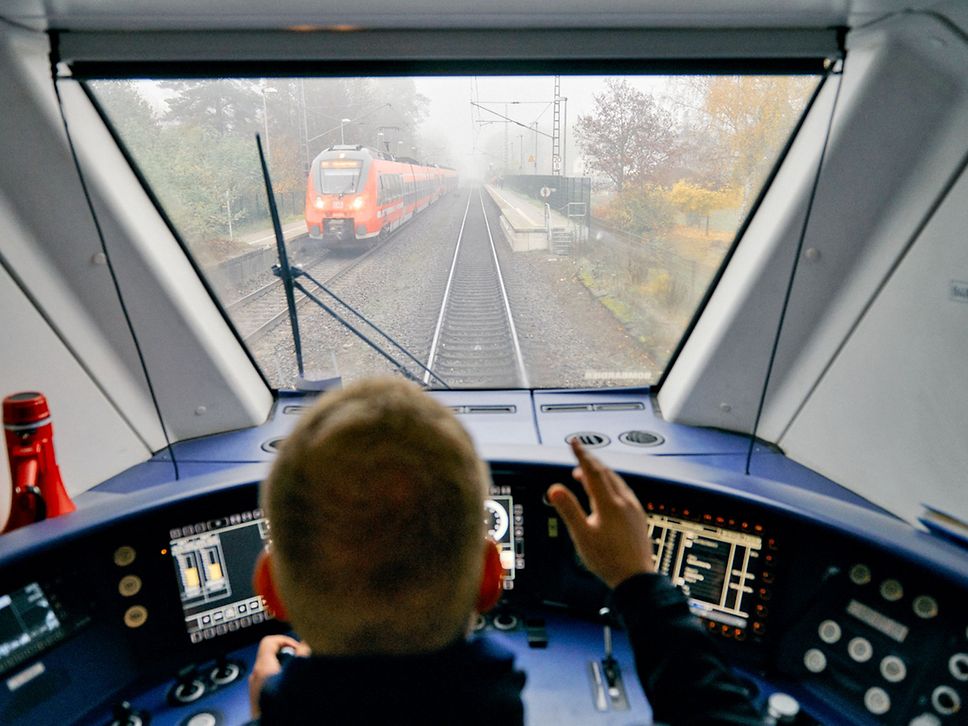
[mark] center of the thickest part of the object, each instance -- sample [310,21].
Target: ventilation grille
[495,408]
[641,438]
[272,445]
[589,439]
[573,407]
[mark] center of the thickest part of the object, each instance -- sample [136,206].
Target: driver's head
[375,507]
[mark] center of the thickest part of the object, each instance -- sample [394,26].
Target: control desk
[141,609]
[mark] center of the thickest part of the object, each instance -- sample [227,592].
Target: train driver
[380,563]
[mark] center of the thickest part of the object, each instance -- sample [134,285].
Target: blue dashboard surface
[840,560]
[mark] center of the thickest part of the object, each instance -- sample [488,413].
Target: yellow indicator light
[191,577]
[214,572]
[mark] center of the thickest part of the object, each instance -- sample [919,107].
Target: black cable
[793,272]
[107,257]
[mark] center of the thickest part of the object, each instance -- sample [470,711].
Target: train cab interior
[771,352]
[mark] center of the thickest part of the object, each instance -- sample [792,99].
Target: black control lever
[606,674]
[285,654]
[188,687]
[124,714]
[610,666]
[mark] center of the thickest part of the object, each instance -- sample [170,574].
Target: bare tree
[628,137]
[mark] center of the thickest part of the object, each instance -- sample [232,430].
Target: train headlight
[358,203]
[320,203]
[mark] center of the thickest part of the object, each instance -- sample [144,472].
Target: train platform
[530,225]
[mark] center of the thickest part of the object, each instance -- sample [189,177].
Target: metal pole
[228,208]
[305,123]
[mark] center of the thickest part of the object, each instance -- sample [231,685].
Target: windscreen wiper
[298,272]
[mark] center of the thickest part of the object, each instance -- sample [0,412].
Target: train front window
[338,179]
[467,232]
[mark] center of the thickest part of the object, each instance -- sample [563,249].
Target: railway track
[475,343]
[262,310]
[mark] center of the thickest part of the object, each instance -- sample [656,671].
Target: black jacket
[678,664]
[470,682]
[474,682]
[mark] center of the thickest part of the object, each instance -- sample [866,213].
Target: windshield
[482,232]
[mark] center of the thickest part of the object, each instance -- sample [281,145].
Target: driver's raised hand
[613,540]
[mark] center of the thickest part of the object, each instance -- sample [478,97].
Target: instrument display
[214,561]
[29,624]
[716,568]
[505,525]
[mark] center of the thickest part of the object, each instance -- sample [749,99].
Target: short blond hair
[375,505]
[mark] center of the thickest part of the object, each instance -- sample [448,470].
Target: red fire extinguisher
[38,491]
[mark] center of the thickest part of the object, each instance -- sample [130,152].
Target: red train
[356,195]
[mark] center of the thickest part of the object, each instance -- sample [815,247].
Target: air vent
[272,445]
[495,408]
[575,407]
[589,439]
[641,438]
[625,406]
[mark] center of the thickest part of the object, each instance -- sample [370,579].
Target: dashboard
[143,607]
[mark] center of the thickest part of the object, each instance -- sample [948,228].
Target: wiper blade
[297,272]
[284,269]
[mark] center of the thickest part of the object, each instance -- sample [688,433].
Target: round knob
[224,674]
[860,574]
[505,621]
[829,631]
[925,607]
[188,691]
[860,650]
[892,590]
[893,669]
[958,665]
[877,701]
[202,718]
[782,707]
[946,700]
[814,660]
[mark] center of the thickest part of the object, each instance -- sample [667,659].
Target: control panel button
[946,700]
[892,590]
[860,649]
[860,574]
[925,607]
[124,556]
[958,665]
[129,586]
[782,707]
[203,718]
[877,701]
[815,661]
[505,621]
[893,669]
[135,616]
[188,691]
[925,719]
[829,631]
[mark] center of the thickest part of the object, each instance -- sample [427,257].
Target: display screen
[28,624]
[505,525]
[214,561]
[714,567]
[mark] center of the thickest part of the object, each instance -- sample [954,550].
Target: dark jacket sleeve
[679,667]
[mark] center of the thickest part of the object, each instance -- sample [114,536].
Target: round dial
[496,519]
